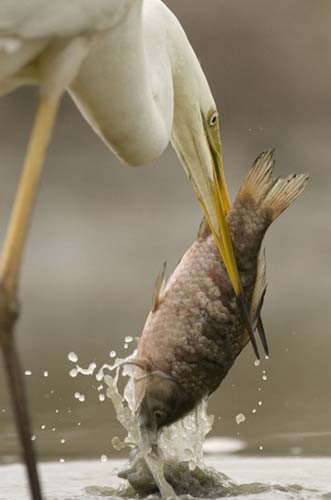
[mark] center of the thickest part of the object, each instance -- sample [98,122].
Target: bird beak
[200,152]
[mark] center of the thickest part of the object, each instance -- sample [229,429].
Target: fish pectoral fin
[259,292]
[139,362]
[159,287]
[260,286]
[262,335]
[204,230]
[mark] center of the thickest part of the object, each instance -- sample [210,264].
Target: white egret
[132,72]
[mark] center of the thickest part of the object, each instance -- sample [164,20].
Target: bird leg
[10,265]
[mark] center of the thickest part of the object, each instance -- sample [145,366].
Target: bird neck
[124,89]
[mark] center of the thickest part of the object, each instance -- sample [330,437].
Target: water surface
[253,478]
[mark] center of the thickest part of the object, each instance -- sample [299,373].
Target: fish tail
[271,195]
[284,192]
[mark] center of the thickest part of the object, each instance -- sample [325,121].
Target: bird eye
[158,414]
[213,119]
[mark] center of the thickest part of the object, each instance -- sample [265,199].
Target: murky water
[251,478]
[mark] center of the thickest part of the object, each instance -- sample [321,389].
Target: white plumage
[136,65]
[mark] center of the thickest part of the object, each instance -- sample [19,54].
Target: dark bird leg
[21,414]
[10,266]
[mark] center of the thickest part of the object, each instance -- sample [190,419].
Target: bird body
[138,67]
[195,332]
[29,19]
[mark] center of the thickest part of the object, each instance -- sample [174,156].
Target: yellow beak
[208,179]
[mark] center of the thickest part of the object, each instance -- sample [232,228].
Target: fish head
[163,402]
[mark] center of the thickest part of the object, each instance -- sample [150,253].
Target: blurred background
[101,232]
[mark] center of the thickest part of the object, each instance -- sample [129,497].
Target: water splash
[175,465]
[177,462]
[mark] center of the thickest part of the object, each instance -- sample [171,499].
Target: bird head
[195,131]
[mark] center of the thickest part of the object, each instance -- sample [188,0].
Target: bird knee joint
[9,312]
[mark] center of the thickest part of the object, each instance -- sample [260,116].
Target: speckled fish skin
[196,333]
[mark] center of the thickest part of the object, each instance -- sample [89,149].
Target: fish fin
[259,292]
[260,287]
[259,180]
[159,287]
[272,195]
[140,362]
[204,230]
[260,329]
[284,192]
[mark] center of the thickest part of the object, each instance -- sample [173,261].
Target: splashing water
[180,443]
[175,466]
[177,462]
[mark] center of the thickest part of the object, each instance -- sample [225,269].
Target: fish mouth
[149,437]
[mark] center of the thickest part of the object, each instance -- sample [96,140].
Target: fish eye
[213,119]
[158,414]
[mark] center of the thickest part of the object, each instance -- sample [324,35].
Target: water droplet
[91,368]
[259,403]
[128,339]
[3,410]
[266,357]
[264,377]
[61,460]
[117,443]
[240,418]
[254,410]
[45,373]
[57,411]
[72,356]
[53,429]
[33,437]
[73,373]
[28,373]
[112,354]
[77,395]
[78,424]
[102,397]
[260,447]
[257,362]
[103,458]
[100,387]
[126,346]
[63,441]
[43,427]
[81,398]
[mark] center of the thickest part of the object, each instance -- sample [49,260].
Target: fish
[194,331]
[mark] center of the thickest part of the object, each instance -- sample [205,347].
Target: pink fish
[194,332]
